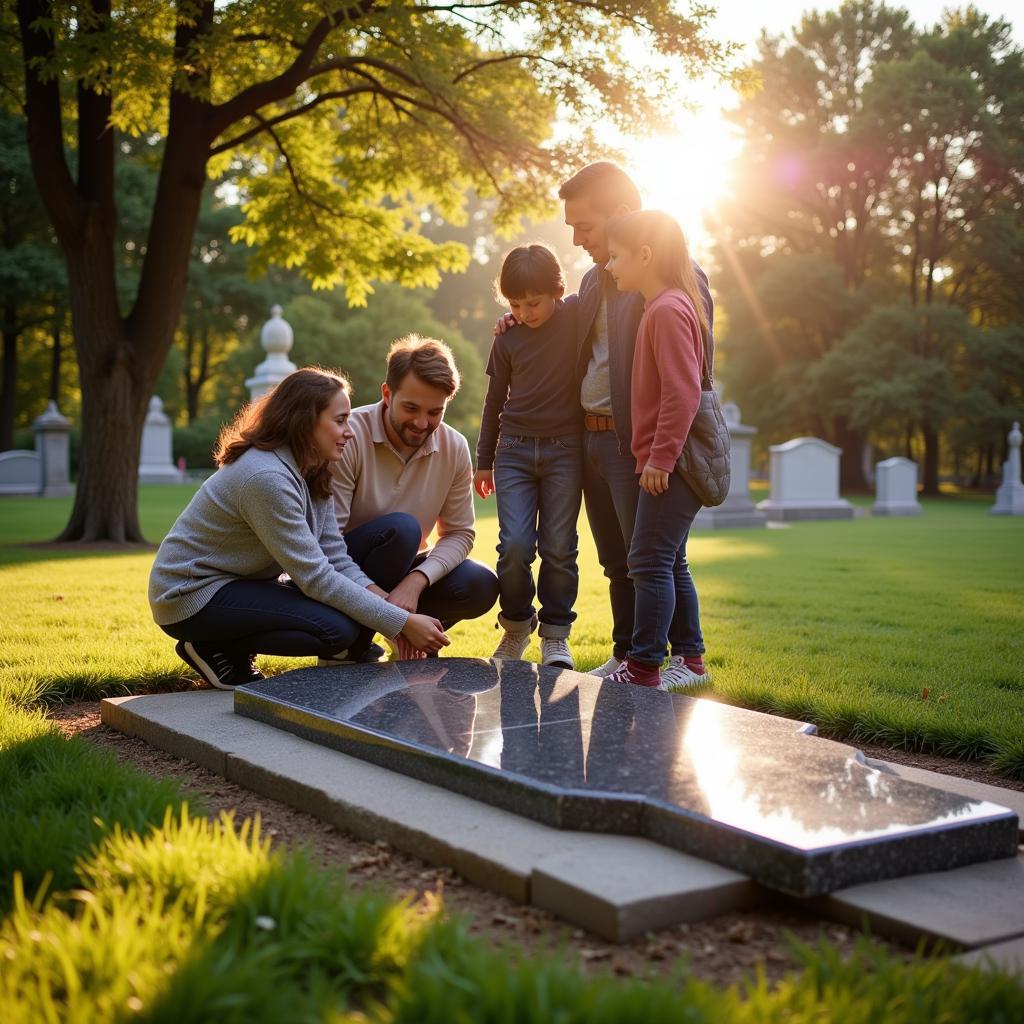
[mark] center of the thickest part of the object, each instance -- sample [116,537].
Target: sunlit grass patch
[904,632]
[197,921]
[58,798]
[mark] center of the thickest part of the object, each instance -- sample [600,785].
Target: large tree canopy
[339,125]
[882,176]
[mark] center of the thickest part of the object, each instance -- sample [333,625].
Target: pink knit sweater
[666,379]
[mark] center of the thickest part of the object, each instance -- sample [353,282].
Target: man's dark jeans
[273,617]
[387,550]
[537,485]
[611,491]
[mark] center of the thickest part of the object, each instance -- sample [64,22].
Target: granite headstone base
[749,791]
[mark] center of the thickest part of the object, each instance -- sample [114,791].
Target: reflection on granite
[751,791]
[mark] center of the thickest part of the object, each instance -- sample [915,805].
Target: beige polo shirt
[436,486]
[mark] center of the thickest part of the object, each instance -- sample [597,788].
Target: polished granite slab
[753,792]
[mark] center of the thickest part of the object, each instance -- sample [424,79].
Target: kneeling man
[404,474]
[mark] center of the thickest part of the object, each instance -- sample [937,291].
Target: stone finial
[277,335]
[156,412]
[51,419]
[276,338]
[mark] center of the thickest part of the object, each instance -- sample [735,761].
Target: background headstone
[276,339]
[52,432]
[21,472]
[737,510]
[896,488]
[805,482]
[1010,496]
[156,464]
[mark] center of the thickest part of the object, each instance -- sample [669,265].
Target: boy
[528,456]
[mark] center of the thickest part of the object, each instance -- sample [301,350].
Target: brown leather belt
[592,422]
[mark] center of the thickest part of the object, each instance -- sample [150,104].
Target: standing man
[606,340]
[404,474]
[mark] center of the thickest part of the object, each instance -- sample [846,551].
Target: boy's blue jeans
[666,598]
[538,485]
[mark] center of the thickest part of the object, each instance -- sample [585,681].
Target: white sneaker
[678,676]
[607,668]
[554,650]
[512,647]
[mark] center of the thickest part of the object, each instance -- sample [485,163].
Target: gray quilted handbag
[704,462]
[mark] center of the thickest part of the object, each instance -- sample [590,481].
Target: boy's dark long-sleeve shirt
[533,388]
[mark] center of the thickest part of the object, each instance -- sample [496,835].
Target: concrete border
[617,887]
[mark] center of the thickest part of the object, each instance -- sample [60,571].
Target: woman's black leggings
[268,617]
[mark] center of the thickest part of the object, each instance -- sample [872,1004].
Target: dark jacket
[624,312]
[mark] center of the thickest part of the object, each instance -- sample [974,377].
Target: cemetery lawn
[899,632]
[117,900]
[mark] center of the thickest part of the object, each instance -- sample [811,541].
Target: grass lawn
[904,632]
[117,902]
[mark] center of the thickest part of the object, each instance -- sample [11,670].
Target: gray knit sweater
[254,519]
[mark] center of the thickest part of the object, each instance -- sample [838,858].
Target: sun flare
[685,172]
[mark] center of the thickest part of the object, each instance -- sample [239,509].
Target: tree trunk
[55,364]
[930,476]
[851,462]
[8,390]
[106,498]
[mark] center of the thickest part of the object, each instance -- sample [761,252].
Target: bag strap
[707,382]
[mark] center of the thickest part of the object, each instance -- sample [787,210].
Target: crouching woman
[268,511]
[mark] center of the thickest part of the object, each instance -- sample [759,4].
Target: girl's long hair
[671,254]
[286,415]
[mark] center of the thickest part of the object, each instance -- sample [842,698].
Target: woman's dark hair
[286,415]
[665,238]
[530,268]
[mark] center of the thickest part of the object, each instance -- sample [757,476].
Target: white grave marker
[805,482]
[156,464]
[896,488]
[1010,496]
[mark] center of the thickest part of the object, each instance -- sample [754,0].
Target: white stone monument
[737,510]
[1010,496]
[276,339]
[20,472]
[52,432]
[805,482]
[156,462]
[896,488]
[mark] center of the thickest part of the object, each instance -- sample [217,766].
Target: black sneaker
[217,668]
[367,656]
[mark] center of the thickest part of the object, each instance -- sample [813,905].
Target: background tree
[32,279]
[338,126]
[889,152]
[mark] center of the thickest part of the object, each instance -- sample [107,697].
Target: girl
[268,510]
[647,252]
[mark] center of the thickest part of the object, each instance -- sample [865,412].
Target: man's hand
[379,591]
[504,323]
[405,650]
[653,481]
[483,482]
[407,594]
